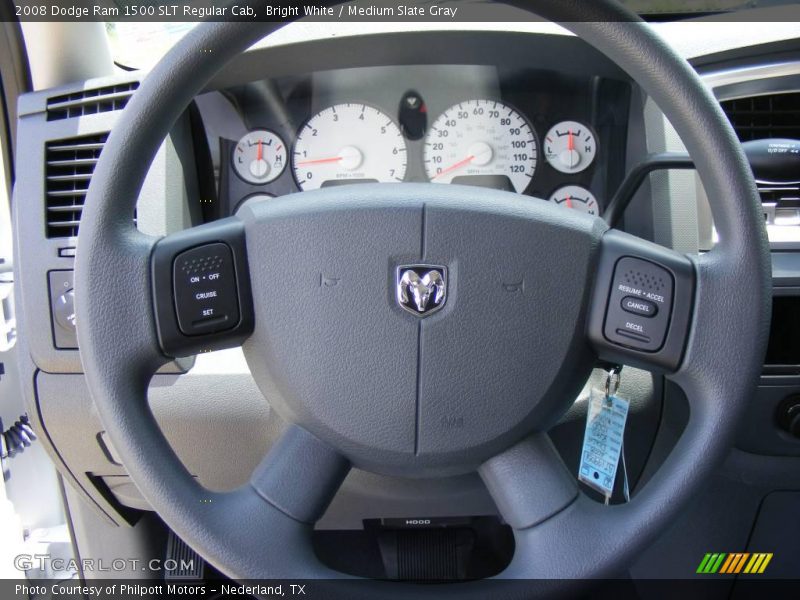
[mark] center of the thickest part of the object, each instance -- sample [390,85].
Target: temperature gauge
[577,198]
[570,147]
[259,157]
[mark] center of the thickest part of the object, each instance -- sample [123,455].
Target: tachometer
[481,142]
[349,143]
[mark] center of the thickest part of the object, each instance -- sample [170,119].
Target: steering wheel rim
[570,536]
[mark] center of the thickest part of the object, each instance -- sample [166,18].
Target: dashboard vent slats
[89,102]
[770,116]
[767,116]
[69,165]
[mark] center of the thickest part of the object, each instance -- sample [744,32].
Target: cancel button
[637,306]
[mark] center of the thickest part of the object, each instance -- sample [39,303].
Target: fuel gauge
[576,198]
[259,157]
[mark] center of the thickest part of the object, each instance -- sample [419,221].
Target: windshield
[138,45]
[141,45]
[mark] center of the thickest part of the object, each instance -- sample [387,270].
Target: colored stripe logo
[734,563]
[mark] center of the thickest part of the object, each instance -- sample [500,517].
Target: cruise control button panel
[640,304]
[201,289]
[205,292]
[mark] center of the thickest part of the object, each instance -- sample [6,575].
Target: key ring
[612,381]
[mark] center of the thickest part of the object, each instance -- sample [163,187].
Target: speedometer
[349,143]
[481,142]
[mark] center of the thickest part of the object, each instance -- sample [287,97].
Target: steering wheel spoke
[563,529]
[300,475]
[642,303]
[271,518]
[201,289]
[529,482]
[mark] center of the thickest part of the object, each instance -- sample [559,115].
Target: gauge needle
[260,150]
[319,161]
[569,201]
[458,165]
[570,141]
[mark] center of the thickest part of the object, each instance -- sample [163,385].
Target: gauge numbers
[570,147]
[259,157]
[577,198]
[349,143]
[481,142]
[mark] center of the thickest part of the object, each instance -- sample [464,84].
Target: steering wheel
[527,299]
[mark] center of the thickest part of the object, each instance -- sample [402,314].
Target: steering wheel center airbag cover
[335,351]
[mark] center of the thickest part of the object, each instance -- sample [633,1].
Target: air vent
[769,116]
[69,165]
[90,102]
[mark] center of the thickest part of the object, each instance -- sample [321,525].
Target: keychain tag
[602,441]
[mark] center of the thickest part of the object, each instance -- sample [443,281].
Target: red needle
[569,201]
[259,151]
[458,165]
[320,161]
[570,141]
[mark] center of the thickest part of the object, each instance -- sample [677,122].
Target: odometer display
[479,141]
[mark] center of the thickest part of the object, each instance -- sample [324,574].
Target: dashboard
[542,133]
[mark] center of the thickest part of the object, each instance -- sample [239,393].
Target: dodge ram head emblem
[421,289]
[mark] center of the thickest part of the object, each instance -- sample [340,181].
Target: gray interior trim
[737,82]
[163,208]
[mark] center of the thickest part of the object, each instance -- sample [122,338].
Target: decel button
[638,306]
[204,283]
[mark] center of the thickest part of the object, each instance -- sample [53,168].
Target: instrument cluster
[537,143]
[475,142]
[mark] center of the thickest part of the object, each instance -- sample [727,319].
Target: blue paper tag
[602,441]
